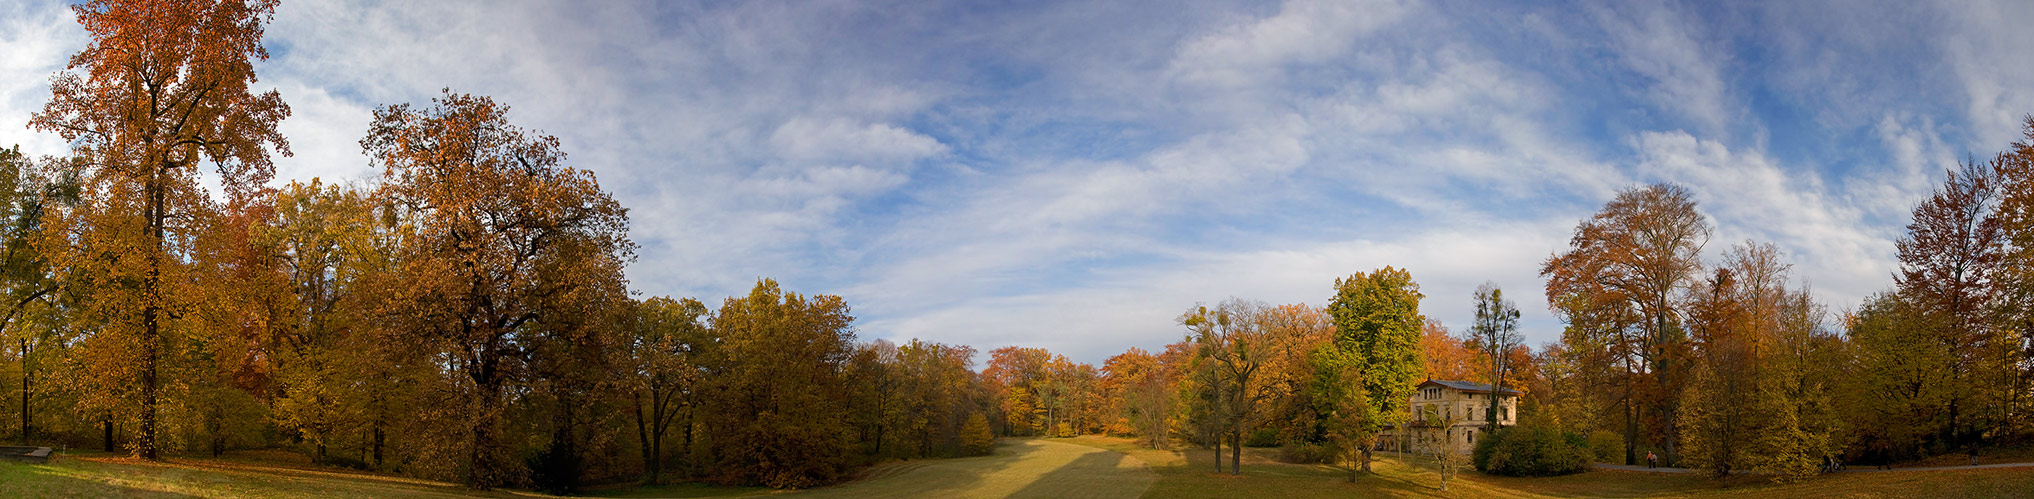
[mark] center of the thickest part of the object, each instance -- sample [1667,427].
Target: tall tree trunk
[1630,425]
[483,471]
[107,425]
[1236,451]
[151,314]
[643,441]
[380,415]
[145,445]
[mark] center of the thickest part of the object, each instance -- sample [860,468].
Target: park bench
[25,454]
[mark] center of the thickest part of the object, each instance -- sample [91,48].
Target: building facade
[1451,415]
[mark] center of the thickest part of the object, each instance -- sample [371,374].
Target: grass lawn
[1077,467]
[96,474]
[1191,474]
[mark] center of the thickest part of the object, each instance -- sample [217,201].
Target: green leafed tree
[1377,333]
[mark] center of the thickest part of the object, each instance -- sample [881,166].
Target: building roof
[1469,387]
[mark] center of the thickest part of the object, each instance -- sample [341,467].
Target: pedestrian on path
[1652,460]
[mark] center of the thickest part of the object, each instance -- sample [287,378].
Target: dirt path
[1020,468]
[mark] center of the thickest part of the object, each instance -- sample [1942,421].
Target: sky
[1075,175]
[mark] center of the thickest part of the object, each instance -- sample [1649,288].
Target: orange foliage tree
[160,87]
[1619,288]
[503,249]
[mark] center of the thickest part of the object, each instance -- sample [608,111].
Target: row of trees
[1725,366]
[463,315]
[1734,366]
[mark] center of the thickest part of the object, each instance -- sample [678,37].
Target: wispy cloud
[1074,174]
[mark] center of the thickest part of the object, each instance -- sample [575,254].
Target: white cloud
[1918,159]
[1685,72]
[806,140]
[324,133]
[1126,307]
[1754,198]
[1072,175]
[1985,45]
[39,39]
[1304,31]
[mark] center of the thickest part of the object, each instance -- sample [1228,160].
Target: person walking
[1652,460]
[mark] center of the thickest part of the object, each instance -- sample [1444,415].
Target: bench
[25,454]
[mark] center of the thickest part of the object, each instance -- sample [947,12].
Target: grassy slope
[91,474]
[1191,474]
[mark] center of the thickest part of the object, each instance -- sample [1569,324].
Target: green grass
[1078,467]
[93,474]
[1019,468]
[1191,474]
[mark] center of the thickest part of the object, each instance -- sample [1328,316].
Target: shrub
[1531,451]
[1263,437]
[975,437]
[1307,453]
[1608,447]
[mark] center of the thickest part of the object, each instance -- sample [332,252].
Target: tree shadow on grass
[931,477]
[1096,474]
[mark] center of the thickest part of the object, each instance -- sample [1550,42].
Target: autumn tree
[159,88]
[1143,385]
[776,392]
[1947,260]
[505,239]
[1619,287]
[1377,339]
[937,394]
[1231,340]
[1292,333]
[1758,397]
[301,280]
[665,344]
[1020,375]
[1446,356]
[1496,333]
[2010,347]
[28,190]
[1901,392]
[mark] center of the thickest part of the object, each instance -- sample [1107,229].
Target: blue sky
[1074,175]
